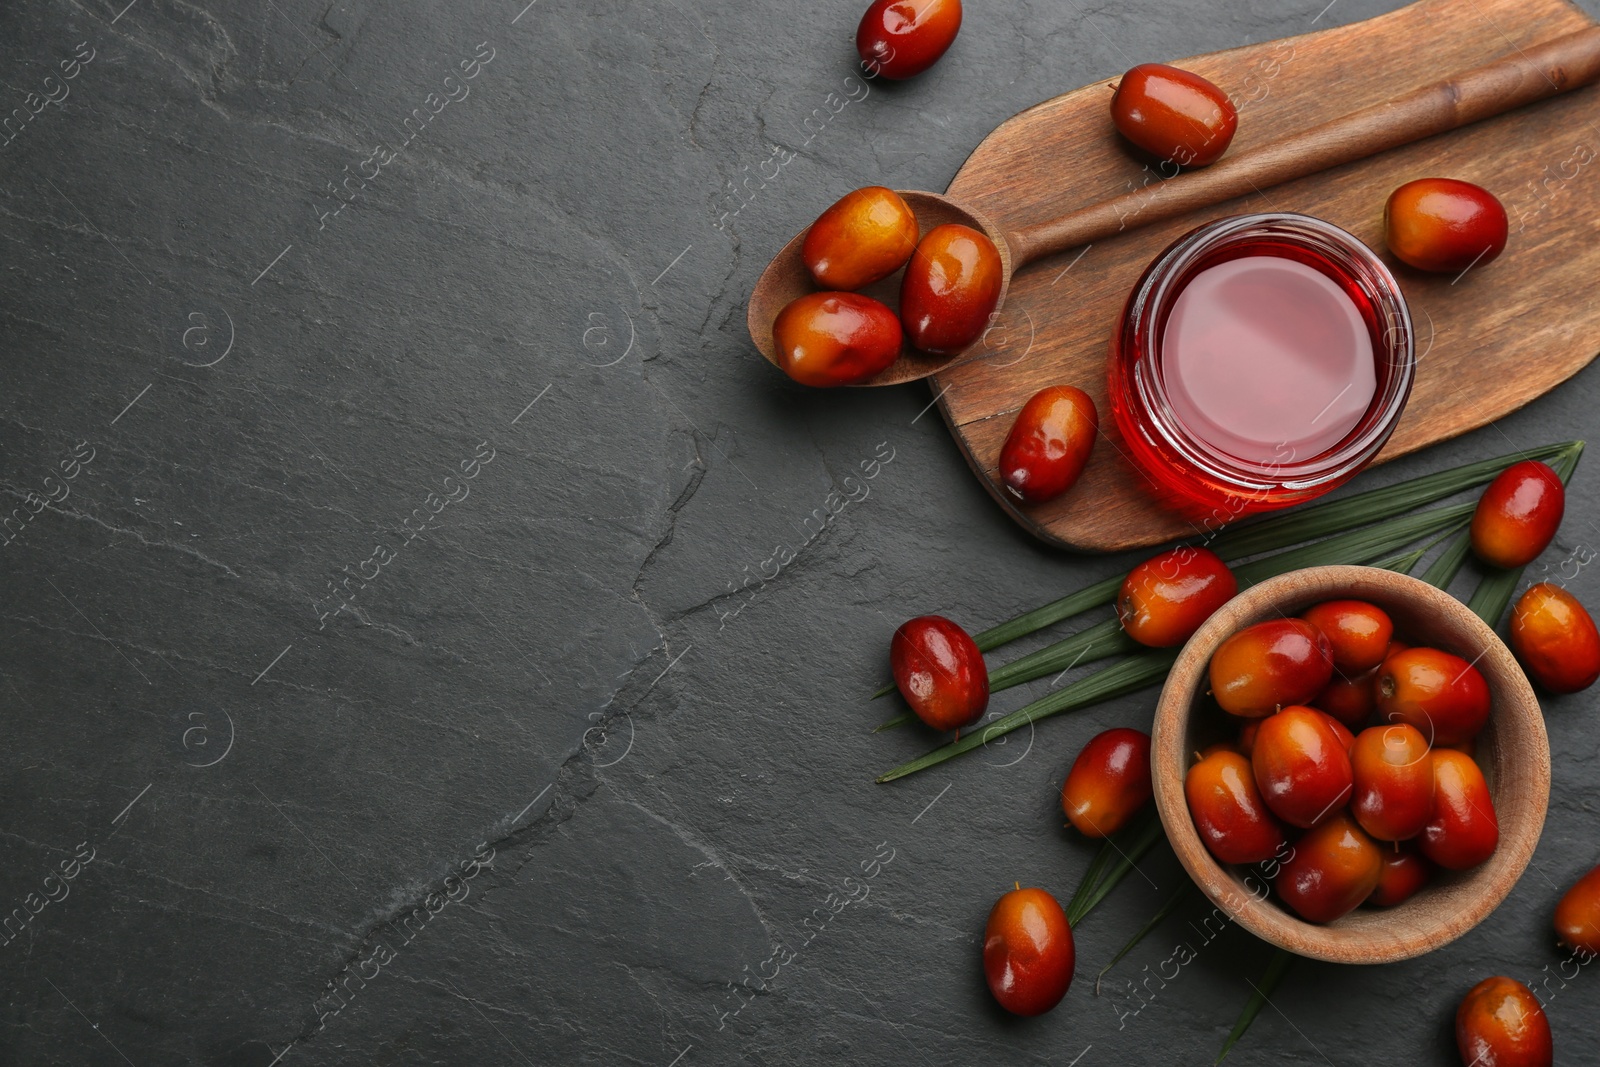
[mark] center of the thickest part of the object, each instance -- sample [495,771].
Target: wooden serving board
[1489,343]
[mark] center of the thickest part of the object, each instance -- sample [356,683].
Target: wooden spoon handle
[1526,75]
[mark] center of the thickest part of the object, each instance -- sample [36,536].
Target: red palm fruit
[1340,730]
[940,672]
[1247,736]
[899,39]
[1404,872]
[1049,444]
[1109,782]
[1500,1023]
[1028,952]
[1463,830]
[1350,700]
[1270,665]
[1228,811]
[864,237]
[1578,915]
[1556,639]
[1394,649]
[1334,869]
[830,339]
[1518,514]
[1301,766]
[1442,695]
[950,288]
[1165,599]
[1358,633]
[1174,114]
[1444,224]
[1393,782]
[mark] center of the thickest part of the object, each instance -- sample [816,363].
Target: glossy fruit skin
[1578,914]
[1270,665]
[1394,649]
[1340,730]
[1109,782]
[1441,224]
[1357,632]
[1393,796]
[1028,952]
[1500,1023]
[864,237]
[1232,819]
[1463,830]
[951,287]
[1301,766]
[1556,639]
[902,38]
[1350,700]
[1404,872]
[1173,114]
[940,672]
[1518,514]
[828,339]
[1165,599]
[1442,695]
[1333,870]
[1049,444]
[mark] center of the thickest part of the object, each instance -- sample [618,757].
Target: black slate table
[431,635]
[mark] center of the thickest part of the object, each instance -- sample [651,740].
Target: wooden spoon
[1526,76]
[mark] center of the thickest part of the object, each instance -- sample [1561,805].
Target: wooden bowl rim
[1457,901]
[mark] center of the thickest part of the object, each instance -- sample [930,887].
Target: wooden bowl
[1513,752]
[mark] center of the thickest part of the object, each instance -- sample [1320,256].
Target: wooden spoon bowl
[1512,750]
[787,278]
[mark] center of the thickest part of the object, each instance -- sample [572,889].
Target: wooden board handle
[1523,77]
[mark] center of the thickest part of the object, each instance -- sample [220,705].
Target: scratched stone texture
[431,635]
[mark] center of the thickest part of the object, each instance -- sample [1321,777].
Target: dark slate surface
[414,554]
